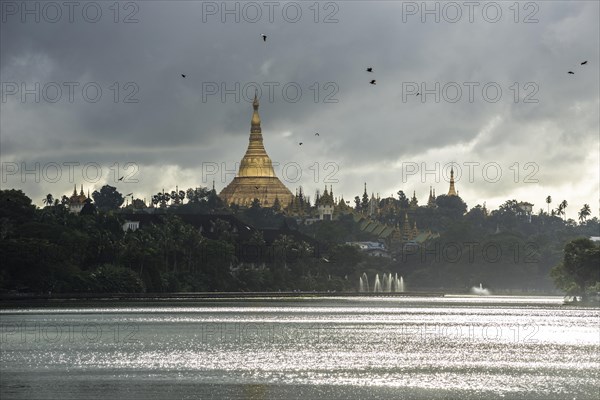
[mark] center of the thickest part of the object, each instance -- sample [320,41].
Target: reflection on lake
[281,348]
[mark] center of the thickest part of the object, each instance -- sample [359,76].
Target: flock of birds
[372,81]
[573,73]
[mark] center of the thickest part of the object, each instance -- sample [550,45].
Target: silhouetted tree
[88,208]
[584,213]
[48,200]
[580,268]
[108,198]
[403,200]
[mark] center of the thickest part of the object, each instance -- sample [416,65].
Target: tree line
[50,249]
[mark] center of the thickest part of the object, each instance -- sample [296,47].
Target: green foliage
[201,200]
[451,206]
[108,198]
[88,208]
[579,272]
[114,279]
[51,250]
[15,206]
[364,204]
[403,200]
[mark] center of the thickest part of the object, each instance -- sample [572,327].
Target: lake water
[303,348]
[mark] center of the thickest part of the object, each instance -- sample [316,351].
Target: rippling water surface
[303,348]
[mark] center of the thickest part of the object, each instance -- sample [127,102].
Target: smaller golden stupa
[452,190]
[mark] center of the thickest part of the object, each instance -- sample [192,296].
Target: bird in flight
[373,82]
[370,69]
[121,178]
[583,63]
[264,37]
[317,134]
[183,75]
[418,94]
[256,187]
[571,73]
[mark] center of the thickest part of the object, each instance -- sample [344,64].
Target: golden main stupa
[256,178]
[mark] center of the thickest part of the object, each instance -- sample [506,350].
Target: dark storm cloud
[368,133]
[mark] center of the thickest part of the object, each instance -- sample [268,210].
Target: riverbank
[6,299]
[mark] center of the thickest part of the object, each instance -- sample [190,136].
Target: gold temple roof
[256,177]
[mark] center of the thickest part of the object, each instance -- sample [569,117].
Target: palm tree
[548,201]
[564,205]
[584,213]
[560,210]
[162,198]
[49,200]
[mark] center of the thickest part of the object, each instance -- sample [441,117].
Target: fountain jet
[480,291]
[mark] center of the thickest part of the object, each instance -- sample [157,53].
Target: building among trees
[77,201]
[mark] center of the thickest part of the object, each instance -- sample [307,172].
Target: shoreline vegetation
[205,246]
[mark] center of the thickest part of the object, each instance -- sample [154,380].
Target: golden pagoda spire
[406,231]
[255,117]
[452,190]
[256,177]
[256,161]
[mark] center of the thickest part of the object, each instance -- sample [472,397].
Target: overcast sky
[538,137]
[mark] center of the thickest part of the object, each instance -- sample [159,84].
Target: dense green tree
[364,203]
[110,278]
[343,259]
[108,198]
[88,208]
[579,271]
[15,206]
[476,216]
[403,200]
[451,206]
